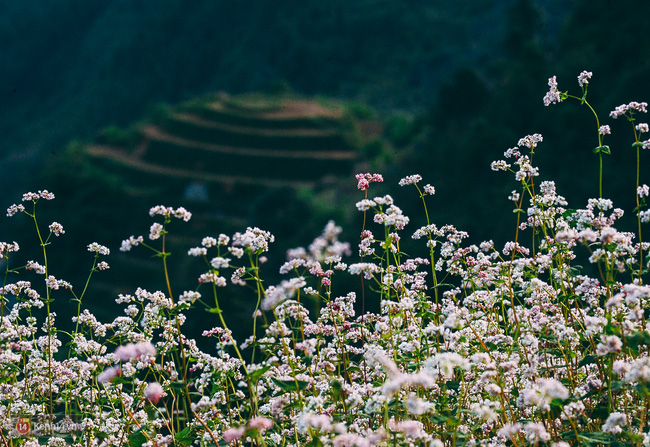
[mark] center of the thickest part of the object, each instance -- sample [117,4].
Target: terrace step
[119,158]
[155,134]
[194,127]
[292,115]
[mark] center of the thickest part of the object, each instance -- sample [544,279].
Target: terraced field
[265,141]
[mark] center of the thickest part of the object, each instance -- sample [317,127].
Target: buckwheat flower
[182,213]
[155,231]
[364,180]
[630,108]
[509,430]
[646,144]
[260,423]
[614,422]
[209,242]
[513,152]
[253,239]
[604,130]
[365,268]
[161,210]
[154,392]
[211,277]
[499,165]
[321,422]
[514,196]
[103,266]
[536,432]
[587,235]
[33,196]
[132,351]
[109,374]
[233,434]
[99,249]
[417,406]
[485,410]
[553,95]
[56,284]
[583,78]
[223,239]
[428,189]
[645,216]
[236,276]
[56,229]
[540,393]
[446,362]
[131,242]
[411,429]
[38,268]
[639,370]
[6,248]
[643,191]
[530,141]
[197,251]
[13,209]
[642,127]
[236,252]
[219,262]
[189,297]
[410,180]
[609,344]
[365,204]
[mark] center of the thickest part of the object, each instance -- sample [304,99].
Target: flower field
[541,342]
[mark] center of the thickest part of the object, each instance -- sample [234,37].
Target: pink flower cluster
[364,180]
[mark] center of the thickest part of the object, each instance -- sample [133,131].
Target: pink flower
[109,374]
[260,423]
[233,434]
[132,351]
[153,392]
[366,179]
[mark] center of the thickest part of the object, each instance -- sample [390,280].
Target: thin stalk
[187,402]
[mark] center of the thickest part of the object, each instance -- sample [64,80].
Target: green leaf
[137,438]
[186,436]
[453,384]
[290,385]
[638,338]
[588,360]
[315,442]
[602,150]
[214,310]
[255,375]
[177,386]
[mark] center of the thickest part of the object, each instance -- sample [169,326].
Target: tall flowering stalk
[554,96]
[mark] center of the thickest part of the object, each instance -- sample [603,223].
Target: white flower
[583,78]
[410,180]
[614,422]
[553,95]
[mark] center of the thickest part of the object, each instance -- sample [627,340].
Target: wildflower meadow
[541,342]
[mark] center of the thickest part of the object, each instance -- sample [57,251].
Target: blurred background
[260,113]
